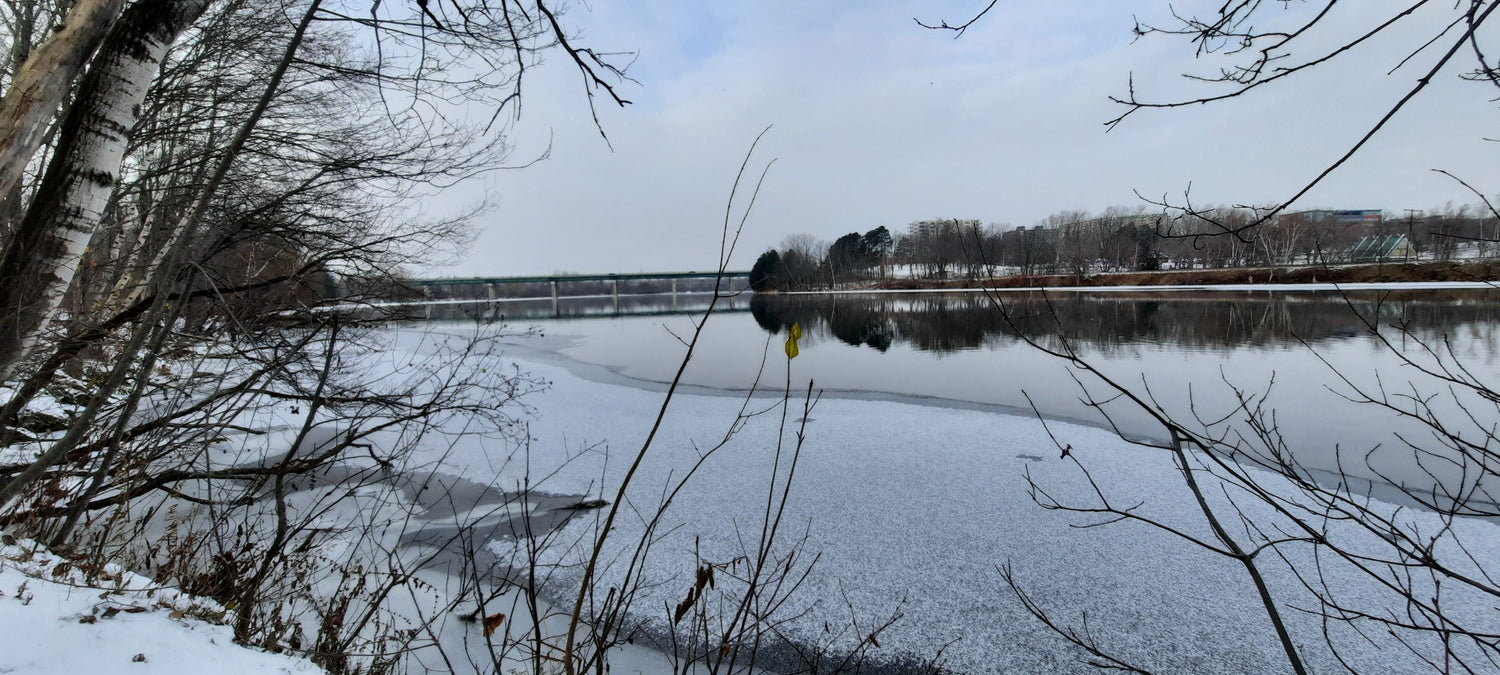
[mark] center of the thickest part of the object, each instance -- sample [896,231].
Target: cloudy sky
[876,121]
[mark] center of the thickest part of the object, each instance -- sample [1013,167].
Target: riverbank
[1384,273]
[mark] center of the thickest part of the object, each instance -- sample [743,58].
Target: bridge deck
[560,278]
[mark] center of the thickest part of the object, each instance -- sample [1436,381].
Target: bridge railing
[573,286]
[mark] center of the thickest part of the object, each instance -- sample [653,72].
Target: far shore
[1439,273]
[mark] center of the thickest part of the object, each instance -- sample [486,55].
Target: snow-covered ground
[54,619]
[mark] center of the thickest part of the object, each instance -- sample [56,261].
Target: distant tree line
[805,262]
[1123,239]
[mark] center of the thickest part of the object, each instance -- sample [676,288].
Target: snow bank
[55,619]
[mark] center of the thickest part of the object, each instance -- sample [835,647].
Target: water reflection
[1201,358]
[1199,321]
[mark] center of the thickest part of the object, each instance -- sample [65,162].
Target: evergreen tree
[763,272]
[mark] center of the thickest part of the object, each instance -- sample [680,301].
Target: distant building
[929,228]
[1111,223]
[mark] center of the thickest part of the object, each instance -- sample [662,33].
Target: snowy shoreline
[56,619]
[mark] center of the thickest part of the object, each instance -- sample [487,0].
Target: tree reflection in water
[1197,320]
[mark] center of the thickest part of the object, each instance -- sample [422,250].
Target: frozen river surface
[913,509]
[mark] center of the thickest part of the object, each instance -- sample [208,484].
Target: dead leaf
[685,605]
[492,622]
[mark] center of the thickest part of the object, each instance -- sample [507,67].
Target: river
[1196,353]
[916,482]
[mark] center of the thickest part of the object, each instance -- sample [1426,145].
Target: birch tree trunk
[42,84]
[163,276]
[42,256]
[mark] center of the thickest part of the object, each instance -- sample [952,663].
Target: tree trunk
[43,82]
[42,256]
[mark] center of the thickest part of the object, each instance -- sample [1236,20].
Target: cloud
[879,122]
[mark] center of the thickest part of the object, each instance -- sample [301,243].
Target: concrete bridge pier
[615,294]
[491,288]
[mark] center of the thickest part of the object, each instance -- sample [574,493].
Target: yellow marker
[791,341]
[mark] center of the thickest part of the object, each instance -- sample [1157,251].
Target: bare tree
[42,76]
[1078,242]
[423,65]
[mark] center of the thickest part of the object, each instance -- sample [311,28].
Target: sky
[876,121]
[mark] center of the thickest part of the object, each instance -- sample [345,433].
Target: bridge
[581,277]
[577,285]
[559,287]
